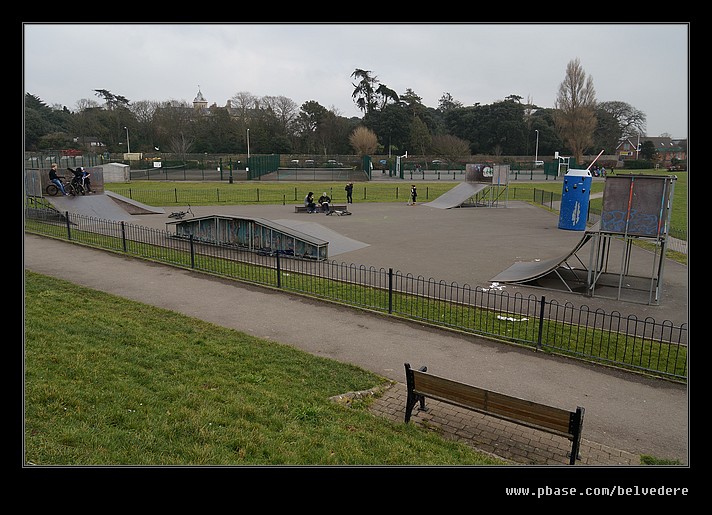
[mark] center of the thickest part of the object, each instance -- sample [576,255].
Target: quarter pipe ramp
[527,271]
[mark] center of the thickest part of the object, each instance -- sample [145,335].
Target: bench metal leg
[412,396]
[576,426]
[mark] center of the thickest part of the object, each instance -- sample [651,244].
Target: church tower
[199,102]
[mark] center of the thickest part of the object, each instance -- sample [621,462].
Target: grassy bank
[133,384]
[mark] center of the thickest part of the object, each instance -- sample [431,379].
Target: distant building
[667,149]
[199,102]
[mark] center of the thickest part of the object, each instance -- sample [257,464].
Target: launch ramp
[458,195]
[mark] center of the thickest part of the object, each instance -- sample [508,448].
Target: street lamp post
[536,151]
[128,143]
[247,166]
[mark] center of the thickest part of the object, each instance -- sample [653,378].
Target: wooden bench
[332,207]
[568,424]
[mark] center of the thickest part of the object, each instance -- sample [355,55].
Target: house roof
[662,143]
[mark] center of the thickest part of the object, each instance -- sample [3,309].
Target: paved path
[626,415]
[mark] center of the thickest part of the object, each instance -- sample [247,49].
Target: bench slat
[512,408]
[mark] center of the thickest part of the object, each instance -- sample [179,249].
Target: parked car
[333,162]
[538,164]
[309,162]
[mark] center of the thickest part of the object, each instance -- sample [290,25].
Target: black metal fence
[625,341]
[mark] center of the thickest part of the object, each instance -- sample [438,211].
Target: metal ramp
[528,271]
[458,195]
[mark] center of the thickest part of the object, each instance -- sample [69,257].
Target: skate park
[463,237]
[472,246]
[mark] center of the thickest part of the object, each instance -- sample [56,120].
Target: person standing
[55,179]
[349,192]
[85,179]
[413,194]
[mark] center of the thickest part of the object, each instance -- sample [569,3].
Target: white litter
[511,319]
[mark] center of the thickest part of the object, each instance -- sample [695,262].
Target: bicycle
[53,190]
[181,214]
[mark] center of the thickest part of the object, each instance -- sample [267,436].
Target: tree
[112,101]
[365,91]
[446,102]
[608,131]
[419,136]
[631,121]
[450,147]
[648,151]
[575,105]
[363,140]
[369,94]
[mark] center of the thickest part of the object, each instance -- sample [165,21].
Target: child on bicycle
[81,178]
[55,179]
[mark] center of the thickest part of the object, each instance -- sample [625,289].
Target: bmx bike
[70,187]
[179,215]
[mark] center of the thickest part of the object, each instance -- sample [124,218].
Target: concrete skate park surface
[464,245]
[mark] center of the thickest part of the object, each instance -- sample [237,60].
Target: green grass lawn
[132,384]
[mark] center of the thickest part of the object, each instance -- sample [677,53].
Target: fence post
[390,290]
[175,194]
[541,323]
[69,224]
[123,236]
[192,252]
[279,270]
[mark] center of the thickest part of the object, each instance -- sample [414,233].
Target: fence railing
[626,341]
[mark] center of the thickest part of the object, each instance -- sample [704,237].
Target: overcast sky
[644,65]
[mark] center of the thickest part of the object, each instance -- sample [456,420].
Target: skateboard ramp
[526,271]
[458,195]
[134,207]
[338,243]
[97,206]
[107,206]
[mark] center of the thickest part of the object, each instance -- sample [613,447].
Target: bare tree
[450,147]
[284,109]
[574,114]
[173,126]
[180,144]
[630,120]
[363,141]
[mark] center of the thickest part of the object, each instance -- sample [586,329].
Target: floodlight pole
[128,143]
